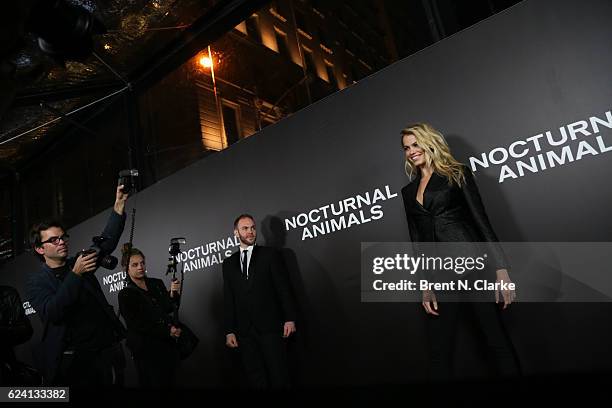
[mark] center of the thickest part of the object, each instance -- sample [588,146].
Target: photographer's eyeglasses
[56,240]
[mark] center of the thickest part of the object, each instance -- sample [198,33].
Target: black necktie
[244,264]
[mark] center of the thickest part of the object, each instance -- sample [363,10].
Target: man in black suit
[80,343]
[259,309]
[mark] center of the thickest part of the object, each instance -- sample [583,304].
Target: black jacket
[52,299]
[15,327]
[148,316]
[264,300]
[450,214]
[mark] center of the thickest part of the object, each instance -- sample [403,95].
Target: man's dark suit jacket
[264,301]
[52,298]
[450,214]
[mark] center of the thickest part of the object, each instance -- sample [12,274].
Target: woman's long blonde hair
[437,153]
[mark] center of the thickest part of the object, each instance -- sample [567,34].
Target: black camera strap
[133,222]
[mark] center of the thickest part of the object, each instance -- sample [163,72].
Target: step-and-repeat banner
[524,98]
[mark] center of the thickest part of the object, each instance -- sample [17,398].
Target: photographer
[80,342]
[15,328]
[147,306]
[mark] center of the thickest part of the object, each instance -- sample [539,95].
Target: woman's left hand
[503,282]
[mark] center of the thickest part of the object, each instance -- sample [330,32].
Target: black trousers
[157,370]
[264,357]
[84,368]
[442,329]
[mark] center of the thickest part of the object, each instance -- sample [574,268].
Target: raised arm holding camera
[80,343]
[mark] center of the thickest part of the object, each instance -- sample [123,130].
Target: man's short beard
[242,241]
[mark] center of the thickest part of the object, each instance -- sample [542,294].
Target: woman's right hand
[175,332]
[430,303]
[231,341]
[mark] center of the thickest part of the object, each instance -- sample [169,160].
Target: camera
[63,29]
[107,261]
[174,249]
[128,178]
[175,245]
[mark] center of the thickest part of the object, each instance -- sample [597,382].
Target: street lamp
[207,62]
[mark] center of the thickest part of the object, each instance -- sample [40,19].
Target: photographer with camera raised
[81,339]
[152,335]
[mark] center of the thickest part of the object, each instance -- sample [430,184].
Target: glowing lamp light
[205,62]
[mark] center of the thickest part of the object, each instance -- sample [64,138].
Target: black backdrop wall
[540,66]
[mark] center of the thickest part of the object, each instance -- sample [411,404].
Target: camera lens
[108,262]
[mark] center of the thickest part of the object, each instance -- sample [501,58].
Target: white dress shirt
[249,254]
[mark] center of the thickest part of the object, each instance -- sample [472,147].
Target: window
[280,7]
[310,62]
[324,39]
[230,123]
[318,5]
[252,26]
[282,43]
[331,76]
[343,17]
[351,45]
[300,21]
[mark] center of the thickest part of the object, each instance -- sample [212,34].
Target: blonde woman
[443,204]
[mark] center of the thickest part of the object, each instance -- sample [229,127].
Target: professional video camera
[64,30]
[174,249]
[175,246]
[107,261]
[188,341]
